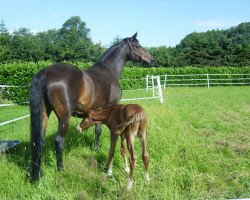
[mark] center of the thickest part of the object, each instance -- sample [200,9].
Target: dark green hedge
[132,77]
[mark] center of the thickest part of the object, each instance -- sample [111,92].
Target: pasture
[198,141]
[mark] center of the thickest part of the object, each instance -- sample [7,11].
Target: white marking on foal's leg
[109,173]
[127,169]
[79,129]
[147,177]
[130,184]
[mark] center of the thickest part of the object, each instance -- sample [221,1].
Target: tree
[48,41]
[24,46]
[3,28]
[115,40]
[162,56]
[74,35]
[4,42]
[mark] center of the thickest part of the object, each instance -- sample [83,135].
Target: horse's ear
[134,36]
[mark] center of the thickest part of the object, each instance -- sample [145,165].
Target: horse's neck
[116,60]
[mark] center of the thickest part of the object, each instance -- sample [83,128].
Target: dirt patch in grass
[240,148]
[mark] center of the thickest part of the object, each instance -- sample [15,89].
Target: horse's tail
[36,120]
[132,118]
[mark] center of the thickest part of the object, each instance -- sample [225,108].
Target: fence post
[165,81]
[208,84]
[153,85]
[146,83]
[159,88]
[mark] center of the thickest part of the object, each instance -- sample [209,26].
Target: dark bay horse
[69,91]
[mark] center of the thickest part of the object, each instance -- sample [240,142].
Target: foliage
[216,48]
[198,141]
[72,42]
[132,77]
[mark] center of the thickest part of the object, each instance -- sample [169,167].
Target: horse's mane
[108,52]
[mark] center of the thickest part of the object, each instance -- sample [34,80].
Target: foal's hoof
[109,173]
[79,129]
[130,185]
[127,170]
[147,178]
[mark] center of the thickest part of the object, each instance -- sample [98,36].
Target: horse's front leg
[98,131]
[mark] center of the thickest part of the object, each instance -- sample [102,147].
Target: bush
[20,74]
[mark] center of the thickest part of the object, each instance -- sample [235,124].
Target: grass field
[198,140]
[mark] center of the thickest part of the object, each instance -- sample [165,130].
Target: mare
[127,121]
[70,91]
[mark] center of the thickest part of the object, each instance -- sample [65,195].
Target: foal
[127,121]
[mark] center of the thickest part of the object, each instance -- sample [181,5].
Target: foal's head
[95,117]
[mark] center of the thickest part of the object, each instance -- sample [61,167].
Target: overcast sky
[158,22]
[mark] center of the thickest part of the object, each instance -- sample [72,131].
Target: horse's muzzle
[151,63]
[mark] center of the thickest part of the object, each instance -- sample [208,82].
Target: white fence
[12,104]
[205,79]
[153,83]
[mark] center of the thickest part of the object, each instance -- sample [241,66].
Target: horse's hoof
[96,148]
[130,185]
[36,176]
[79,129]
[109,173]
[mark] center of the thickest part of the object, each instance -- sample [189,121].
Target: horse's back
[63,83]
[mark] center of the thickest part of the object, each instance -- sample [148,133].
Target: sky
[158,22]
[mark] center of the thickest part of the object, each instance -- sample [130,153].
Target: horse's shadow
[21,155]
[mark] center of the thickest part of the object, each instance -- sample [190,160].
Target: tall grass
[198,140]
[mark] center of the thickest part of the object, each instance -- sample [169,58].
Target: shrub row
[132,77]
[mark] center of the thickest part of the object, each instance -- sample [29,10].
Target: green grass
[198,140]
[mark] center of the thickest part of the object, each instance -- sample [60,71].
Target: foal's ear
[134,36]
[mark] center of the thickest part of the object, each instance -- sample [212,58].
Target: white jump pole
[159,89]
[147,84]
[165,81]
[153,85]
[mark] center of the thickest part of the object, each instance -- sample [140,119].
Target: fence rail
[205,79]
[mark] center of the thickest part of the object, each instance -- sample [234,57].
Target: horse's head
[138,53]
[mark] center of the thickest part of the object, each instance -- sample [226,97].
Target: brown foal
[127,121]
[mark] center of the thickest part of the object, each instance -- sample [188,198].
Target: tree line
[72,42]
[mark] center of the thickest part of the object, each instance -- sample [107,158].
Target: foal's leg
[98,131]
[145,156]
[60,140]
[130,136]
[123,152]
[113,141]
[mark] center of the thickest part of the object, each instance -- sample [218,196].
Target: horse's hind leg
[60,140]
[98,131]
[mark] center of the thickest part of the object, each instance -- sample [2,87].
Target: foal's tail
[37,135]
[132,118]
